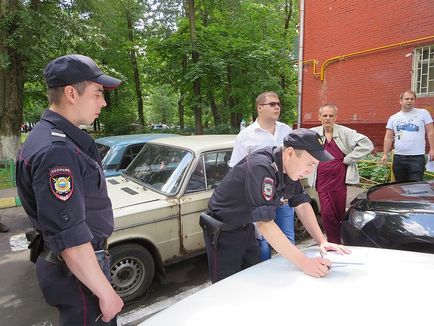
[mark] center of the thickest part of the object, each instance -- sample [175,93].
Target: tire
[132,270]
[299,229]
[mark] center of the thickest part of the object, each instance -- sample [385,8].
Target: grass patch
[7,174]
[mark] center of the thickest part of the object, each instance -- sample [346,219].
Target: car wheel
[299,229]
[132,270]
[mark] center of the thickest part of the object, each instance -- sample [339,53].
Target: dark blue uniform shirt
[62,186]
[253,188]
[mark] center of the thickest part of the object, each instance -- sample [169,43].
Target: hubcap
[127,276]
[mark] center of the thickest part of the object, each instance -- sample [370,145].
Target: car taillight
[359,218]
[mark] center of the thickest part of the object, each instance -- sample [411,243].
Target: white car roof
[199,143]
[390,287]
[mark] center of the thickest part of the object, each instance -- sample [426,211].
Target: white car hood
[124,193]
[394,286]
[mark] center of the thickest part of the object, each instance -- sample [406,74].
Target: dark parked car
[394,216]
[117,152]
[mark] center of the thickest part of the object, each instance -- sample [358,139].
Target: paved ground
[21,302]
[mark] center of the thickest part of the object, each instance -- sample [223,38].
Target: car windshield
[160,167]
[103,150]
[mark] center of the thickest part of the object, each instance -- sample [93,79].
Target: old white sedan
[379,287]
[156,204]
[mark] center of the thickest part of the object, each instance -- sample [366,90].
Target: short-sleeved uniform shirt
[62,186]
[253,188]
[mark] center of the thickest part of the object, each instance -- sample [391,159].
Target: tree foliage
[239,49]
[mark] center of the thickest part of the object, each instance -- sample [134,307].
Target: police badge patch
[268,188]
[61,182]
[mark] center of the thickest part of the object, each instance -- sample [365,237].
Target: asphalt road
[22,303]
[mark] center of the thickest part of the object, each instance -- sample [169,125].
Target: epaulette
[274,166]
[58,136]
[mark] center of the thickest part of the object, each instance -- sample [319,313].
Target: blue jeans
[285,220]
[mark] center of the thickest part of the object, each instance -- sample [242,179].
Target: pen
[97,318]
[323,257]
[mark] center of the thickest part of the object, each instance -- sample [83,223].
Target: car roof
[130,139]
[388,284]
[199,143]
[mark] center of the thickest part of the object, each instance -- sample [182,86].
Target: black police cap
[308,140]
[75,68]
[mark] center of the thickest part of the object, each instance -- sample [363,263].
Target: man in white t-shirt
[406,129]
[266,131]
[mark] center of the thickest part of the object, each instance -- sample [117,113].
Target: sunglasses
[272,104]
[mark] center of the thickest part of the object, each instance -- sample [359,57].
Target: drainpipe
[300,63]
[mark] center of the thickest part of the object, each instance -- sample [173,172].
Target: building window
[423,70]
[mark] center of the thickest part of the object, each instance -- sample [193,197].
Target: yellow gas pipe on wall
[344,56]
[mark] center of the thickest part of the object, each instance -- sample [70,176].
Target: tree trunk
[11,88]
[197,108]
[235,117]
[181,111]
[288,15]
[214,109]
[133,58]
[181,107]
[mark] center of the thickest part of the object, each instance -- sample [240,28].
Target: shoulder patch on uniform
[58,134]
[61,182]
[268,188]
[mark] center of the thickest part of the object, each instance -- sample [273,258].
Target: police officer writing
[251,192]
[63,191]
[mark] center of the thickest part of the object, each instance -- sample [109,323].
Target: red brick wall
[365,88]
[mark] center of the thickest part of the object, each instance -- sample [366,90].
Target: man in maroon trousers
[331,178]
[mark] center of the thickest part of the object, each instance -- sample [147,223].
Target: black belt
[229,227]
[225,226]
[48,255]
[409,156]
[102,245]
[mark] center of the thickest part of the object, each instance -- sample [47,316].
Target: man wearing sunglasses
[266,131]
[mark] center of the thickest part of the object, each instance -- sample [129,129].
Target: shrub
[221,129]
[371,169]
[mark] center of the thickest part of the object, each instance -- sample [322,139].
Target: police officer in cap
[251,192]
[63,191]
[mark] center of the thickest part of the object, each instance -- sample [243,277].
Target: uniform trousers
[408,167]
[77,305]
[236,250]
[332,212]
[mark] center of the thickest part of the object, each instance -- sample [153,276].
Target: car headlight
[359,218]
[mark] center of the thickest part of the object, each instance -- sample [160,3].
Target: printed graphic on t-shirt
[407,126]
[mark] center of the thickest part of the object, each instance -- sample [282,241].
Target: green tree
[162,104]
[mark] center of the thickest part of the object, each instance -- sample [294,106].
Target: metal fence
[7,174]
